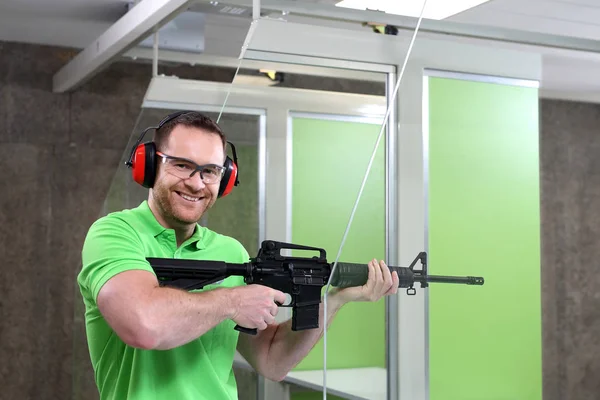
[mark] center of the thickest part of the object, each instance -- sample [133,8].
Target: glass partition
[339,160]
[320,211]
[334,135]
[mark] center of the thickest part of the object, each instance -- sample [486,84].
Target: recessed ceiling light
[435,9]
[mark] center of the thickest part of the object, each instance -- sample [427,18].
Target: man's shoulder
[215,238]
[220,242]
[125,218]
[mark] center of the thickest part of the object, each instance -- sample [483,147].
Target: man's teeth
[189,198]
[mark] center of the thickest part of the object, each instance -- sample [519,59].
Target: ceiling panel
[577,18]
[578,2]
[555,10]
[545,16]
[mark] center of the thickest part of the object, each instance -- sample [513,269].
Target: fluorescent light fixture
[373,110]
[435,9]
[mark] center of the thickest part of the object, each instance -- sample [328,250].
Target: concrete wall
[570,171]
[58,155]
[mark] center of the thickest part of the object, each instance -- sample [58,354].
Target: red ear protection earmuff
[142,161]
[230,176]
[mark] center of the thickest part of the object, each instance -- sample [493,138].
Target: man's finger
[387,275]
[269,319]
[279,297]
[395,283]
[274,309]
[378,276]
[370,276]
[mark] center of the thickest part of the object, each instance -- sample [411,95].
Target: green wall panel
[484,219]
[329,162]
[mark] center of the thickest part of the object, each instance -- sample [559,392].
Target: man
[151,342]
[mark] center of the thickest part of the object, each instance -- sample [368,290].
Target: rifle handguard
[351,274]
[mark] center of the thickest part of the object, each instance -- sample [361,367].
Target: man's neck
[182,232]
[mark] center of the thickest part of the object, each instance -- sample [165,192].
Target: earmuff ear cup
[143,168]
[229,179]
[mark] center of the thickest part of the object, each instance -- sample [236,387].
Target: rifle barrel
[464,280]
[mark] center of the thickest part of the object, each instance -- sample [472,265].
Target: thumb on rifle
[279,297]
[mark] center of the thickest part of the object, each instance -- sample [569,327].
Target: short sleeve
[110,247]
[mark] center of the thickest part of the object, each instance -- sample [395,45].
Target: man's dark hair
[190,119]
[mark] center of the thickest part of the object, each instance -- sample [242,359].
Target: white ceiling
[578,18]
[76,23]
[571,76]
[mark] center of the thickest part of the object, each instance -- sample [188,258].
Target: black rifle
[300,277]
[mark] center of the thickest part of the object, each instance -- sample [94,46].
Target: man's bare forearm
[289,347]
[175,317]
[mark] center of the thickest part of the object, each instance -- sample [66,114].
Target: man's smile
[190,198]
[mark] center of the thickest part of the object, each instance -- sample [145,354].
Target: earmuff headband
[166,119]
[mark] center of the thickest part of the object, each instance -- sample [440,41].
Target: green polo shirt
[199,370]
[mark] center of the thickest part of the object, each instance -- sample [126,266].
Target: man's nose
[195,181]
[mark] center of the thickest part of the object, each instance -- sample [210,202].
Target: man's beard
[162,195]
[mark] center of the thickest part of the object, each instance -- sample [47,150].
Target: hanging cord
[384,124]
[229,89]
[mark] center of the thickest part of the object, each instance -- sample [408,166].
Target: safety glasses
[184,168]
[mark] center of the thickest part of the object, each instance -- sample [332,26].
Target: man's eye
[183,166]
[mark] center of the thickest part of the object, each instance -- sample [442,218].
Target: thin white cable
[384,124]
[229,90]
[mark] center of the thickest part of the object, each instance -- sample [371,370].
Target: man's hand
[254,305]
[380,283]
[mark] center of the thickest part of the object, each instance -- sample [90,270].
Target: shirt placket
[168,243]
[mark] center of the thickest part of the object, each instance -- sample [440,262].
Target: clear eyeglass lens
[211,174]
[183,169]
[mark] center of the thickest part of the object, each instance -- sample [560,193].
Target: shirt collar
[150,220]
[197,237]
